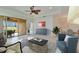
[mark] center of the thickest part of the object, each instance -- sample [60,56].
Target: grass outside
[12,28]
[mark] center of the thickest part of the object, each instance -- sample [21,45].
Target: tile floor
[51,42]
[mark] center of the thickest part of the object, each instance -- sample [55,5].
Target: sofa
[42,31]
[66,43]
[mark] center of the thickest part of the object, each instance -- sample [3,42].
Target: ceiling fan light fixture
[35,11]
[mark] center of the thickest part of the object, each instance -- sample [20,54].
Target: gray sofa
[67,47]
[42,31]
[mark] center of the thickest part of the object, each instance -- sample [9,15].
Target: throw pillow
[67,37]
[61,37]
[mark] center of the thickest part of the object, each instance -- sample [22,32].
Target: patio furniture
[3,39]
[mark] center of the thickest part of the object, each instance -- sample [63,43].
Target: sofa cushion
[72,45]
[66,39]
[61,37]
[62,46]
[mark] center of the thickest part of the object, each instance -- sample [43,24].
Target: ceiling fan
[33,10]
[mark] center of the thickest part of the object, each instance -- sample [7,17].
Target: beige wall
[61,21]
[68,22]
[73,18]
[48,19]
[22,27]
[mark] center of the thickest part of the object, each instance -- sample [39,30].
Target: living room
[68,40]
[35,25]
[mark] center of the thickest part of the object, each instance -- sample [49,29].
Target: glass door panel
[3,26]
[12,27]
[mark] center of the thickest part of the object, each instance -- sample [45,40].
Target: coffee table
[39,46]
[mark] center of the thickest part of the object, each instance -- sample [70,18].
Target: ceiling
[45,10]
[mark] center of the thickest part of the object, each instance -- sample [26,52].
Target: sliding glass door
[11,27]
[3,26]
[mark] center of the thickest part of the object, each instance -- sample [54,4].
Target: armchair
[68,47]
[3,39]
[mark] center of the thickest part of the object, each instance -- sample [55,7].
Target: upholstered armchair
[69,46]
[3,39]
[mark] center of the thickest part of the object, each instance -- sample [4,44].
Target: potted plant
[56,30]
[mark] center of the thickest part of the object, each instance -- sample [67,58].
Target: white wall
[73,18]
[12,13]
[48,19]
